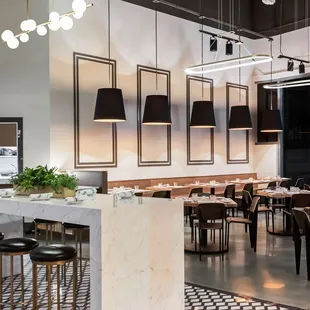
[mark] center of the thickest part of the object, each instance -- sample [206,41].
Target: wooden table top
[188,202]
[258,181]
[275,194]
[166,188]
[210,185]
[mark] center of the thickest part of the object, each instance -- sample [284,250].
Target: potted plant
[64,185]
[42,179]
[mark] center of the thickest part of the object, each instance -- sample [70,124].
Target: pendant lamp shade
[156,110]
[271,121]
[203,115]
[240,118]
[109,106]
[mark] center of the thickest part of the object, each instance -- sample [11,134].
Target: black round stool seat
[53,253]
[45,221]
[15,245]
[73,226]
[1,236]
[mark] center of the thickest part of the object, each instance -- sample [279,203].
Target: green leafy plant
[64,180]
[42,177]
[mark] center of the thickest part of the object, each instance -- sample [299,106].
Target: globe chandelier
[55,22]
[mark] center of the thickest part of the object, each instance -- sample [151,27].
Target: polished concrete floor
[268,274]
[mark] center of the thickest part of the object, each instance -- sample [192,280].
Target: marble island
[136,247]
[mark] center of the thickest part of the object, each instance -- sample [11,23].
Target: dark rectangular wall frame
[246,159]
[149,163]
[210,161]
[77,162]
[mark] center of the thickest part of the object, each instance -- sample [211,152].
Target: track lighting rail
[221,36]
[293,58]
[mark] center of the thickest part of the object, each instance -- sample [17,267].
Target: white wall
[132,44]
[24,80]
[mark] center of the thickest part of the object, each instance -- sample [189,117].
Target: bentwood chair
[241,201]
[301,225]
[161,194]
[250,221]
[208,213]
[188,211]
[284,184]
[230,192]
[300,183]
[307,187]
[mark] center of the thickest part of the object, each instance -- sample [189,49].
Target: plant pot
[64,193]
[40,190]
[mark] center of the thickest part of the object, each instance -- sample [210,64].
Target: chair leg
[34,287]
[308,255]
[297,245]
[12,280]
[1,284]
[222,242]
[272,218]
[200,240]
[251,236]
[22,276]
[191,223]
[228,230]
[195,239]
[74,286]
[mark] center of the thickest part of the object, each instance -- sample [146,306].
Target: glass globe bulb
[24,25]
[66,23]
[54,26]
[7,35]
[79,6]
[24,38]
[78,15]
[13,43]
[54,16]
[41,30]
[32,25]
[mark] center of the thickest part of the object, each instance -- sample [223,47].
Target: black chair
[285,184]
[300,183]
[301,225]
[230,192]
[195,190]
[49,225]
[241,201]
[50,256]
[306,187]
[210,212]
[250,221]
[14,247]
[161,194]
[300,201]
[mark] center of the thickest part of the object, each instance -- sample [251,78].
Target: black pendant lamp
[203,115]
[240,118]
[156,110]
[157,107]
[271,121]
[109,103]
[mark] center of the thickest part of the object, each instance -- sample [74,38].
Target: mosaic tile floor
[196,297]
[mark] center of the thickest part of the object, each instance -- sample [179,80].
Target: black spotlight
[290,65]
[213,44]
[302,68]
[229,48]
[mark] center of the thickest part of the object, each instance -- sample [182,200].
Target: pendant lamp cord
[202,48]
[156,44]
[27,9]
[281,13]
[239,47]
[109,38]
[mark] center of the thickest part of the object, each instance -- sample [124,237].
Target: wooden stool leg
[1,282]
[34,287]
[12,281]
[74,286]
[49,286]
[58,287]
[22,280]
[81,262]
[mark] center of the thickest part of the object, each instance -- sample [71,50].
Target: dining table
[285,195]
[208,247]
[212,186]
[265,180]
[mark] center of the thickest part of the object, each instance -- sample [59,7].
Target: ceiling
[256,18]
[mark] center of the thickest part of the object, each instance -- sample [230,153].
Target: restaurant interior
[154,154]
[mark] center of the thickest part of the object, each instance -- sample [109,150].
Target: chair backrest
[307,187]
[272,184]
[230,191]
[162,194]
[301,218]
[254,205]
[300,183]
[284,184]
[248,188]
[195,190]
[300,201]
[211,211]
[247,198]
[204,195]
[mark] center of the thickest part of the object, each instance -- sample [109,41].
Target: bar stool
[78,232]
[49,256]
[15,247]
[48,226]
